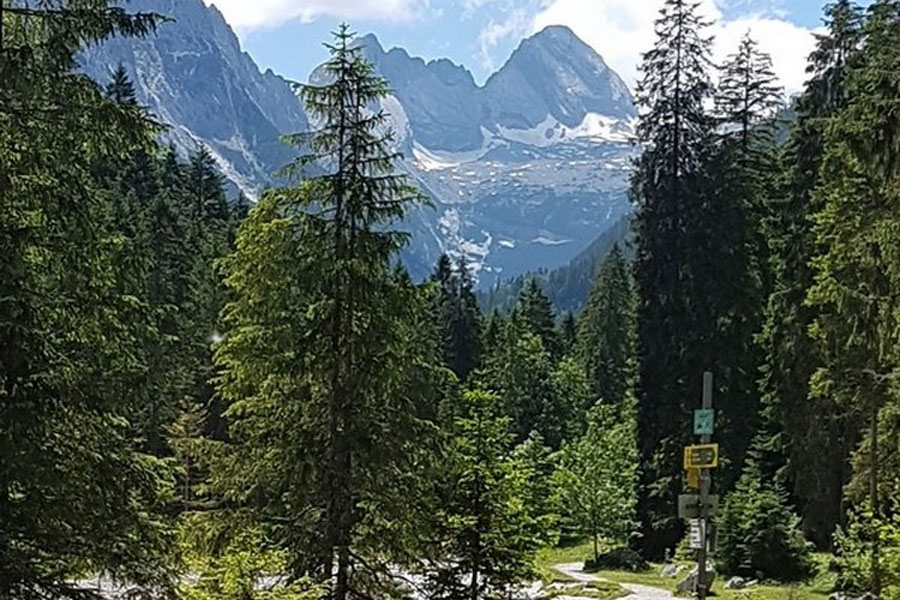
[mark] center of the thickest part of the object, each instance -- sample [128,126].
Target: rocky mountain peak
[555,73]
[524,172]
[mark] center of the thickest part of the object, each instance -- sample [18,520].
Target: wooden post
[705,484]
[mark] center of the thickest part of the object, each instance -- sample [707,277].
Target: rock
[689,584]
[671,570]
[740,583]
[838,596]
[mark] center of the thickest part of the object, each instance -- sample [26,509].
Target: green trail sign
[704,421]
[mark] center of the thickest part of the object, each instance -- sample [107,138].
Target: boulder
[740,583]
[689,584]
[671,570]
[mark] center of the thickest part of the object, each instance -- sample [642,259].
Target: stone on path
[689,584]
[671,570]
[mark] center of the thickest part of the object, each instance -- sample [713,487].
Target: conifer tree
[675,129]
[492,332]
[808,439]
[488,533]
[76,494]
[458,315]
[607,332]
[536,312]
[857,271]
[325,359]
[729,253]
[747,96]
[568,333]
[760,532]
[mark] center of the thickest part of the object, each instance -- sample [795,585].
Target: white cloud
[620,30]
[251,14]
[517,24]
[787,43]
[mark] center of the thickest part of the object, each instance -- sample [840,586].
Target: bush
[853,557]
[619,559]
[758,531]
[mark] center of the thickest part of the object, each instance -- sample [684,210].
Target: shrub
[853,556]
[620,559]
[758,531]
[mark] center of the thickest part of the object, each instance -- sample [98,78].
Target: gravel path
[638,592]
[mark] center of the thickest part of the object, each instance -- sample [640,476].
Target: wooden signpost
[699,459]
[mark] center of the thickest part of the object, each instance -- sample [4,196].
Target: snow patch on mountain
[550,131]
[523,172]
[436,160]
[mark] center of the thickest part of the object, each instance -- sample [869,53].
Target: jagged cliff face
[524,171]
[194,77]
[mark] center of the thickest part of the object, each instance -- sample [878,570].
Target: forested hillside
[209,399]
[567,287]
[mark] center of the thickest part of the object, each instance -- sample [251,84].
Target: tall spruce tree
[606,336]
[807,440]
[674,128]
[857,271]
[536,312]
[760,531]
[747,97]
[324,359]
[459,318]
[729,252]
[76,494]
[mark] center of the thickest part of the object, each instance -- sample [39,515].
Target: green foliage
[668,226]
[597,477]
[853,552]
[458,317]
[538,394]
[854,547]
[488,529]
[233,563]
[758,532]
[606,336]
[857,268]
[619,559]
[537,464]
[536,314]
[328,362]
[808,439]
[79,492]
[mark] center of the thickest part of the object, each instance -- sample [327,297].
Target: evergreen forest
[212,398]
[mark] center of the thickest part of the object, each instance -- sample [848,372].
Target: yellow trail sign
[701,456]
[693,479]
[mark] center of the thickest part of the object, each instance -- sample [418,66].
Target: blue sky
[286,35]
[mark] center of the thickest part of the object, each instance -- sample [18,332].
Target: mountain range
[523,172]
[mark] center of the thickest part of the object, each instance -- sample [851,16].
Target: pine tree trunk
[338,521]
[876,512]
